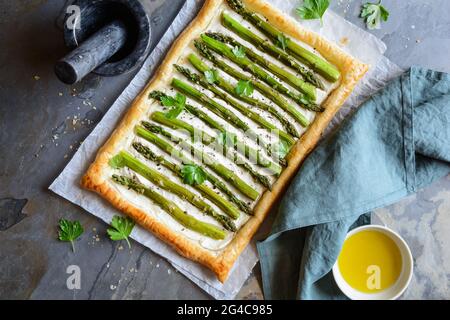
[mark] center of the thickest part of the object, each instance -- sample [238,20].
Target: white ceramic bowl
[400,285]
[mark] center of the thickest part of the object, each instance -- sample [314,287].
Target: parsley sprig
[244,88]
[239,52]
[121,228]
[373,14]
[227,139]
[178,103]
[193,175]
[313,9]
[283,149]
[212,76]
[282,41]
[69,231]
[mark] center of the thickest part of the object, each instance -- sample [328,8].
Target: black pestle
[112,37]
[93,52]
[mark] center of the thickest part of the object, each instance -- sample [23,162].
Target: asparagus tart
[205,150]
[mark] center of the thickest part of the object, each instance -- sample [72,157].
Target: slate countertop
[42,122]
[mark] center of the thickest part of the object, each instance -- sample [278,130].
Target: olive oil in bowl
[374,263]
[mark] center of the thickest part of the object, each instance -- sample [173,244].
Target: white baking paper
[358,43]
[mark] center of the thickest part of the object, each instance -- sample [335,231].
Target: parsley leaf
[313,9]
[174,112]
[282,41]
[227,139]
[193,175]
[244,88]
[305,100]
[180,99]
[283,149]
[239,52]
[211,76]
[69,231]
[117,162]
[373,14]
[167,101]
[178,103]
[121,229]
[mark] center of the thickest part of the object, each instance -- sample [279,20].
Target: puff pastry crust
[221,264]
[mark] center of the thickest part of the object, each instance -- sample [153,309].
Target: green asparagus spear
[178,124]
[245,207]
[171,208]
[218,109]
[158,95]
[264,180]
[215,198]
[238,160]
[228,87]
[318,64]
[208,140]
[218,168]
[209,103]
[197,79]
[247,65]
[264,89]
[281,73]
[242,205]
[271,49]
[127,160]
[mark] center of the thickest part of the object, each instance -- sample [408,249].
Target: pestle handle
[92,53]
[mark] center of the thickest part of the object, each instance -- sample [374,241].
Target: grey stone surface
[43,122]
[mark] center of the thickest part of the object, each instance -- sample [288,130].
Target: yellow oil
[370,261]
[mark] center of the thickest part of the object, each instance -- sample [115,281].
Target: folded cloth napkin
[398,141]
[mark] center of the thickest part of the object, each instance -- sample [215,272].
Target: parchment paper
[359,43]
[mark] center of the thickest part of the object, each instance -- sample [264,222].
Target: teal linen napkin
[398,141]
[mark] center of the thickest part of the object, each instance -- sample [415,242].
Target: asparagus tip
[152,128]
[203,49]
[157,95]
[236,5]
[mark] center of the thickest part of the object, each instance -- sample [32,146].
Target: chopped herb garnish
[227,139]
[283,149]
[244,88]
[239,52]
[117,162]
[282,41]
[193,175]
[177,105]
[211,76]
